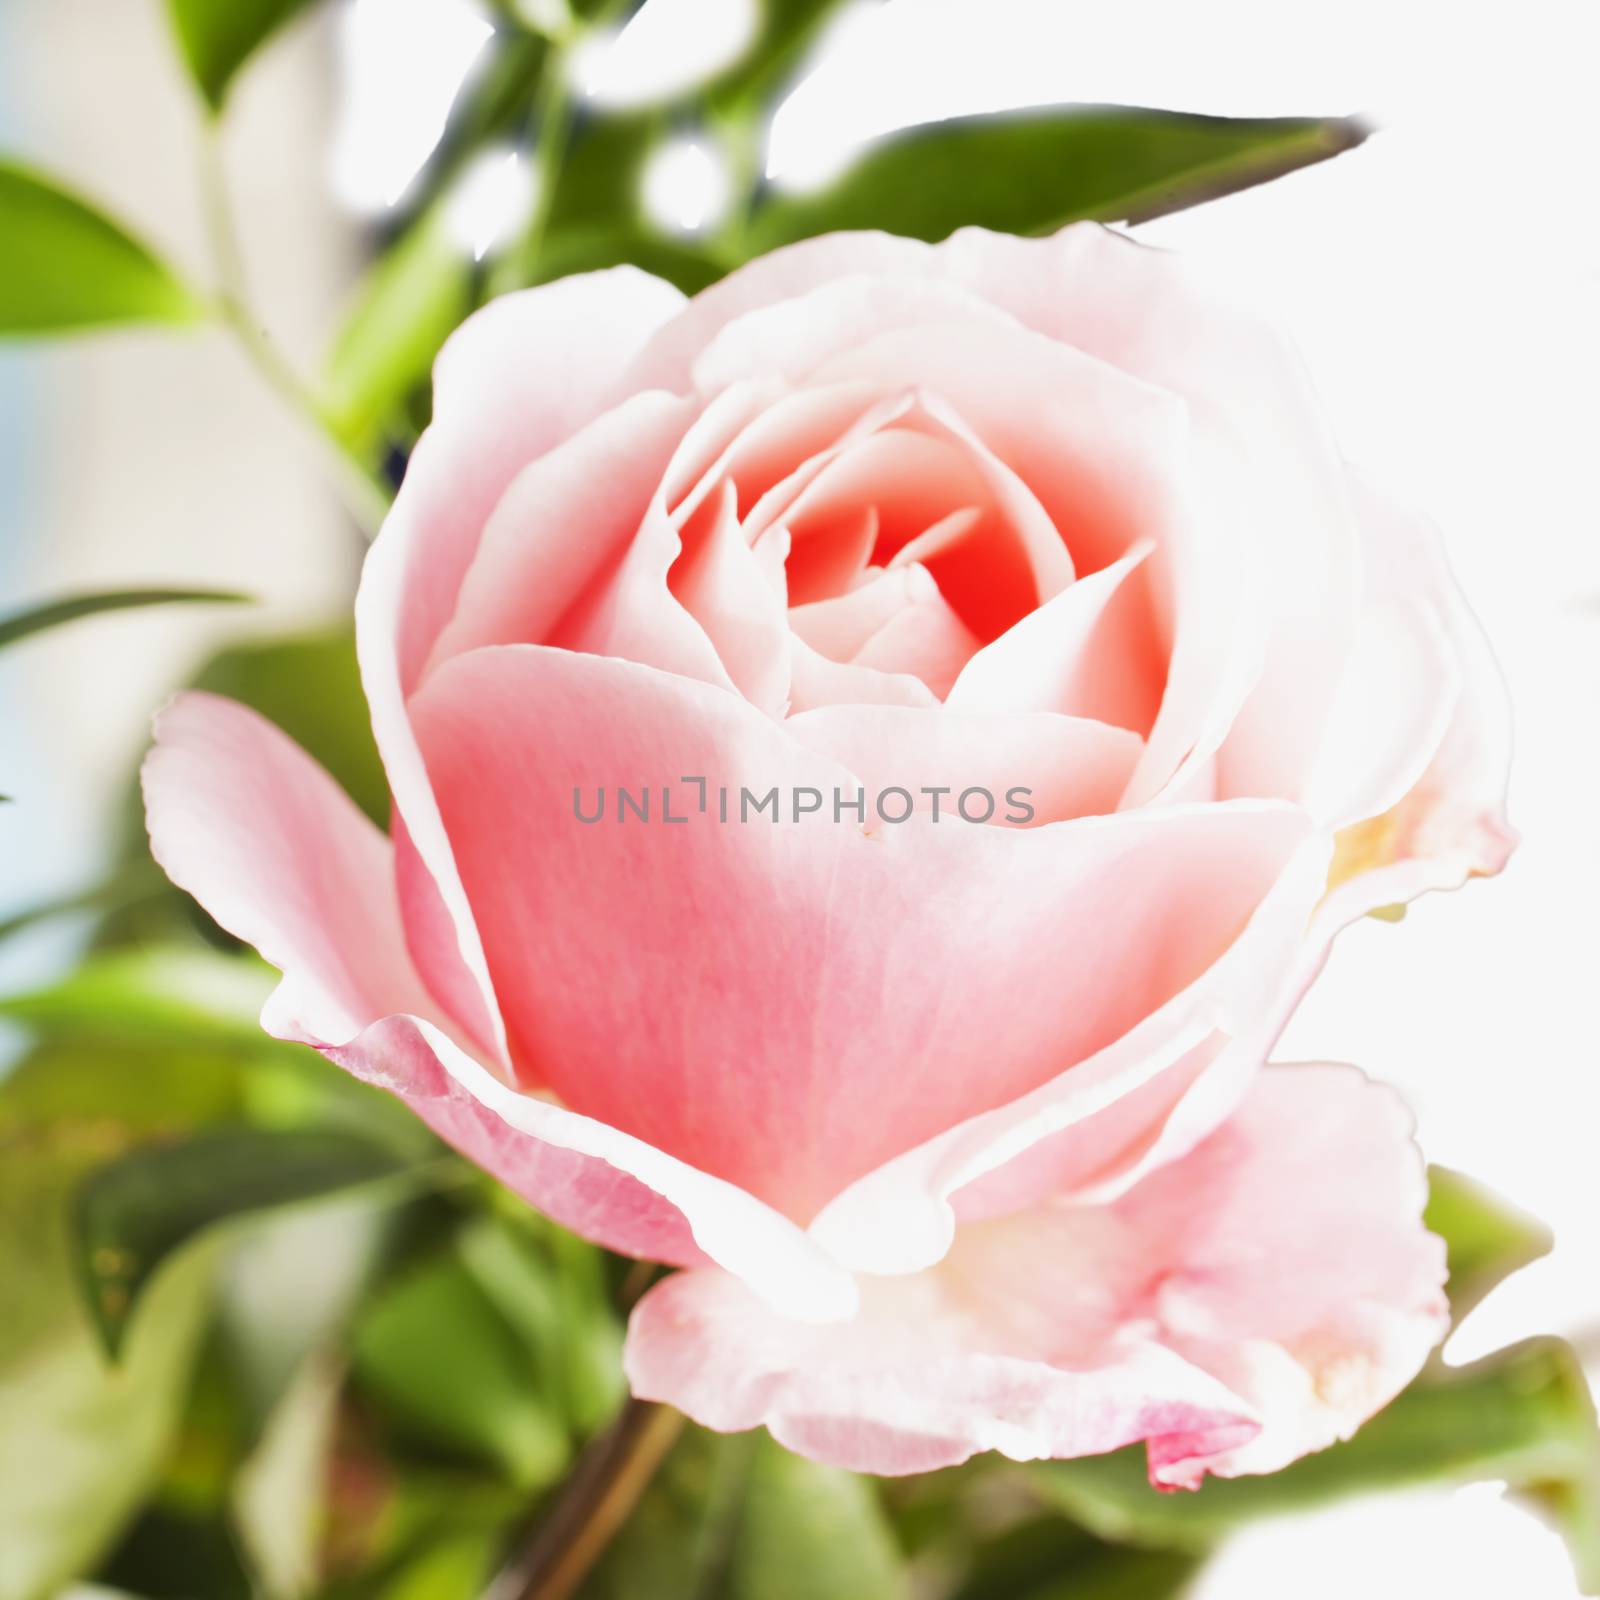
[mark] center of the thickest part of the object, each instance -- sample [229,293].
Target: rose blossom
[957,1130]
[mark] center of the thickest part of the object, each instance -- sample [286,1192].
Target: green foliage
[737,1517]
[67,266]
[1035,171]
[1487,1238]
[82,1445]
[404,311]
[479,1399]
[217,37]
[52,613]
[135,1212]
[1523,1415]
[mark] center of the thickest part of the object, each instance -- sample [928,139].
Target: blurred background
[1443,282]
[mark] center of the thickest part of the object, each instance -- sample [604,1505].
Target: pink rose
[954,1125]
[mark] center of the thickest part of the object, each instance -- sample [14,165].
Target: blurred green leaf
[217,37]
[148,1090]
[81,1443]
[740,1518]
[133,1213]
[481,1401]
[494,102]
[52,613]
[279,1494]
[785,34]
[176,995]
[550,1286]
[1524,1415]
[1033,171]
[1048,1558]
[412,300]
[599,182]
[1487,1238]
[69,267]
[690,267]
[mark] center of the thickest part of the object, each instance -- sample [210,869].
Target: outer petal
[1185,1066]
[1438,828]
[789,1004]
[1254,1301]
[513,381]
[244,820]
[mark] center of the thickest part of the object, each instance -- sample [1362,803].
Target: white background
[1443,283]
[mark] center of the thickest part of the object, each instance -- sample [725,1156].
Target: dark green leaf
[66,266]
[81,1445]
[786,33]
[217,37]
[1033,171]
[52,613]
[598,185]
[482,1401]
[1487,1238]
[135,1212]
[740,1518]
[689,266]
[1523,1415]
[412,300]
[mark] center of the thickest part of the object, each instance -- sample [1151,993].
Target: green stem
[365,496]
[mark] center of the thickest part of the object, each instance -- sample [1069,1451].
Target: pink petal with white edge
[1450,823]
[801,1000]
[511,382]
[244,820]
[1242,1307]
[1207,1042]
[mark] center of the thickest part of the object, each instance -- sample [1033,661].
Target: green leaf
[483,1401]
[66,266]
[688,266]
[135,1212]
[1523,1415]
[82,1444]
[1033,171]
[1049,1558]
[164,996]
[52,613]
[217,37]
[740,1518]
[278,1493]
[1487,1238]
[550,1286]
[410,303]
[785,34]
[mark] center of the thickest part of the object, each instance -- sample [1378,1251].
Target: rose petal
[245,821]
[564,518]
[511,382]
[1211,1037]
[1065,766]
[814,999]
[1253,1302]
[1450,823]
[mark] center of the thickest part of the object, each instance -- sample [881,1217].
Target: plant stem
[553,1558]
[364,496]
